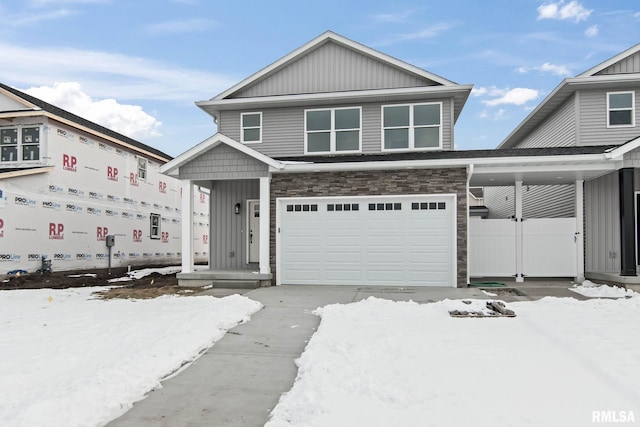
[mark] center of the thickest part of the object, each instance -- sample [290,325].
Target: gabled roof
[611,61]
[324,38]
[172,168]
[590,79]
[66,117]
[420,84]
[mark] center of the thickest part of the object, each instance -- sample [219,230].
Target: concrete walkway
[239,380]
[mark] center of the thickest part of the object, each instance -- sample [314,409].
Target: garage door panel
[392,244]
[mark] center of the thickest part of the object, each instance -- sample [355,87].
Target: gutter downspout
[469,174]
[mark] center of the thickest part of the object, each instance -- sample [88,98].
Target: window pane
[318,142]
[620,117]
[8,136]
[427,137]
[424,115]
[348,119]
[9,154]
[30,135]
[620,100]
[250,135]
[396,138]
[319,120]
[30,152]
[396,116]
[251,120]
[348,140]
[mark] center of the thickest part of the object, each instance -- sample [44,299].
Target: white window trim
[633,109]
[411,146]
[332,132]
[20,144]
[146,168]
[242,128]
[152,235]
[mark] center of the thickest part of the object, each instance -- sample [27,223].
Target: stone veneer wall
[369,183]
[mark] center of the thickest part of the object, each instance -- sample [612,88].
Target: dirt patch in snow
[151,286]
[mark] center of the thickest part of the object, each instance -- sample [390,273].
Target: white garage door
[394,241]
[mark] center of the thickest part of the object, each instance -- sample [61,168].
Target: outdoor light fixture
[236,208]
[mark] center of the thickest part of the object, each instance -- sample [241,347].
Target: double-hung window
[154,232]
[620,109]
[412,127]
[251,128]
[333,130]
[142,168]
[19,143]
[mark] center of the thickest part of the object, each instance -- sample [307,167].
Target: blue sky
[139,66]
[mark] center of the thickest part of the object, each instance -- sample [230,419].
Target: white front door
[254,230]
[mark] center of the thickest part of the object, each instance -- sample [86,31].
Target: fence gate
[549,247]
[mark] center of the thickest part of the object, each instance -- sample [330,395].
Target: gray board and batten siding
[283,128]
[331,67]
[223,162]
[602,224]
[228,243]
[630,64]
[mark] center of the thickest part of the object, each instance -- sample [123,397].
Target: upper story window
[332,130]
[142,168]
[251,127]
[19,143]
[620,109]
[412,127]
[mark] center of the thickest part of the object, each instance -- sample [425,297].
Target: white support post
[579,231]
[187,226]
[265,223]
[519,239]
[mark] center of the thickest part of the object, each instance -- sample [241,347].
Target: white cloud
[516,96]
[31,18]
[592,31]
[109,75]
[547,67]
[571,11]
[425,33]
[393,17]
[636,15]
[129,120]
[179,27]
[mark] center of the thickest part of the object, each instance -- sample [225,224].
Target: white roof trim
[329,35]
[609,62]
[623,149]
[560,160]
[25,172]
[171,168]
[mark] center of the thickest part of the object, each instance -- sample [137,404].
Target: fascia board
[359,95]
[440,163]
[329,35]
[25,172]
[620,151]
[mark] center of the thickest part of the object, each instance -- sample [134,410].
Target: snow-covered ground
[593,290]
[68,359]
[560,362]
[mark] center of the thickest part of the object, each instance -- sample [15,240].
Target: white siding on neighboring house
[593,120]
[559,130]
[538,201]
[332,68]
[602,224]
[283,128]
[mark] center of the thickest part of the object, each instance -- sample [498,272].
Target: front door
[254,230]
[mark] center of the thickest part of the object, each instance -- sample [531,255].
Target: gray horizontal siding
[223,162]
[630,64]
[283,128]
[538,201]
[602,224]
[559,130]
[330,68]
[632,160]
[228,230]
[593,120]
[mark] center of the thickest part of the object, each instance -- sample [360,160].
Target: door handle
[250,236]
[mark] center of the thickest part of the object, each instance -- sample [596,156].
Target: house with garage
[597,109]
[69,187]
[336,165]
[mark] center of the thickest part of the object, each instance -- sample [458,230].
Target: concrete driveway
[239,380]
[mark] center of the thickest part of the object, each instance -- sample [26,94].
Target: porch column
[579,231]
[627,223]
[518,213]
[265,224]
[187,226]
